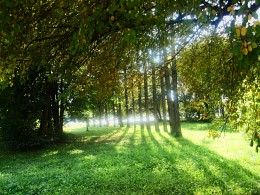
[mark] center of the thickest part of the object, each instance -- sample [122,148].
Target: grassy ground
[135,161]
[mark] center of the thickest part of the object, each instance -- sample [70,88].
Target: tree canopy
[54,52]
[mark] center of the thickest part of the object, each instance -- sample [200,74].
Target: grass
[135,161]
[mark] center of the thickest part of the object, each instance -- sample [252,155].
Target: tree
[207,70]
[64,41]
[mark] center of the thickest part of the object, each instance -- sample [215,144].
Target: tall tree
[164,110]
[154,90]
[146,98]
[176,113]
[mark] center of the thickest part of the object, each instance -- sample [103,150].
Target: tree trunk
[126,100]
[106,116]
[45,113]
[100,114]
[155,106]
[176,113]
[169,98]
[164,110]
[55,108]
[44,121]
[114,113]
[120,117]
[146,100]
[140,104]
[133,105]
[62,109]
[94,120]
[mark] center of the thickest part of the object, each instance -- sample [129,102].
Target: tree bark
[155,106]
[176,113]
[44,122]
[114,113]
[120,117]
[55,107]
[126,99]
[164,110]
[169,98]
[133,105]
[106,115]
[146,100]
[140,104]
[100,114]
[45,113]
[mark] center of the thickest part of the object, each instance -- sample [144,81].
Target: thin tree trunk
[44,121]
[62,109]
[164,110]
[133,105]
[126,100]
[155,106]
[146,100]
[100,114]
[140,104]
[176,113]
[106,116]
[55,108]
[94,120]
[120,117]
[45,113]
[114,114]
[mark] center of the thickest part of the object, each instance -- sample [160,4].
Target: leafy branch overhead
[55,53]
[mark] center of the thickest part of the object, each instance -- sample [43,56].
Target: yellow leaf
[245,51]
[214,12]
[250,16]
[249,48]
[84,41]
[112,18]
[243,31]
[238,32]
[245,44]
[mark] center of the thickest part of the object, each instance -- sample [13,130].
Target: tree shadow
[221,173]
[157,164]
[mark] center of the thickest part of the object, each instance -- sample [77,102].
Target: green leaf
[91,30]
[255,15]
[236,49]
[112,9]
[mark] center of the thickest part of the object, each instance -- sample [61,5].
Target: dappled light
[107,160]
[129,97]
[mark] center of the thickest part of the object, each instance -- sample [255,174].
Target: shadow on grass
[199,163]
[129,160]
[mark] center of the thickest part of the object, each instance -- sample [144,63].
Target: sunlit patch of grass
[135,161]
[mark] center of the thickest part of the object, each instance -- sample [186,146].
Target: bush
[198,111]
[19,113]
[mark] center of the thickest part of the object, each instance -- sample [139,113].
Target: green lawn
[135,161]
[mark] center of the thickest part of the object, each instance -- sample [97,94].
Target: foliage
[198,111]
[75,29]
[247,114]
[75,46]
[126,161]
[19,111]
[206,74]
